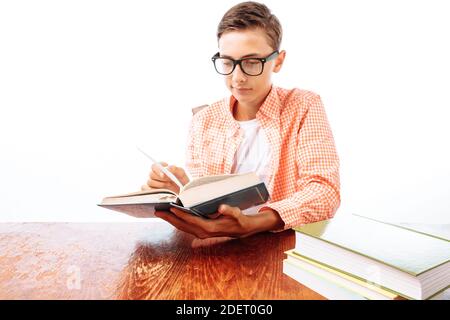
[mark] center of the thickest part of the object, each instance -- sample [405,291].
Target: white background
[83,82]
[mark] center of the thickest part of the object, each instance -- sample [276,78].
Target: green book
[414,264]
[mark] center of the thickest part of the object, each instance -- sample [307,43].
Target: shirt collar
[271,105]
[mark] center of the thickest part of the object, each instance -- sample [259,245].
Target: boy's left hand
[229,222]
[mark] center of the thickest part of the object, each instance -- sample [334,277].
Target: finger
[145,187]
[227,210]
[214,215]
[155,176]
[157,170]
[188,217]
[169,218]
[177,223]
[158,184]
[192,220]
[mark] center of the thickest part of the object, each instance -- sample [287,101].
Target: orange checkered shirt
[304,171]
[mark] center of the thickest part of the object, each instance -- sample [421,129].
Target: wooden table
[142,260]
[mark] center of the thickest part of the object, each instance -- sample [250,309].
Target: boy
[282,135]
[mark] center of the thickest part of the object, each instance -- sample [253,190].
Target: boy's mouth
[242,90]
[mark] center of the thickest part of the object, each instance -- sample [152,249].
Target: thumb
[227,210]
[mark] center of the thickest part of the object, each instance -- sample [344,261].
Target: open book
[201,196]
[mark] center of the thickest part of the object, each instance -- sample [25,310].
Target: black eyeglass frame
[271,56]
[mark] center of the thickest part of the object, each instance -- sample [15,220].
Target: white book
[328,289]
[358,286]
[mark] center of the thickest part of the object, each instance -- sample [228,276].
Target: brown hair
[252,15]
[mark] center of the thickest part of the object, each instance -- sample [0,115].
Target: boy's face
[249,44]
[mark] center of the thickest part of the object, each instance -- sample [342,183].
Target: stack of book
[358,258]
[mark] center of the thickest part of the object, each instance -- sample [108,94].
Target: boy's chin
[243,96]
[244,99]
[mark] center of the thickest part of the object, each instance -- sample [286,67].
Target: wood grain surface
[142,260]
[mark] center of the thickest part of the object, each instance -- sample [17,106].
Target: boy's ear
[279,61]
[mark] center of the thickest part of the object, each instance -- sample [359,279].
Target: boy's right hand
[158,180]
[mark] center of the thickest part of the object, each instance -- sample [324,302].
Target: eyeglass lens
[249,66]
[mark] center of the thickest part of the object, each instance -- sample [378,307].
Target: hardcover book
[201,196]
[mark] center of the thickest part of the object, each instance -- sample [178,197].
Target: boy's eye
[252,62]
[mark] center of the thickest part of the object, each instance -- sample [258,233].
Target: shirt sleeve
[317,195]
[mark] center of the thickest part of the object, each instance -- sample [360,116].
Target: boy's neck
[244,112]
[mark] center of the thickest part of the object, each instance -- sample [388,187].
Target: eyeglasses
[250,66]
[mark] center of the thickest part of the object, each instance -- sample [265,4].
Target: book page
[205,180]
[140,199]
[218,187]
[143,192]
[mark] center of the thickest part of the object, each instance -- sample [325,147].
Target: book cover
[401,248]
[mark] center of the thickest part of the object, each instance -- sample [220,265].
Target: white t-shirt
[253,154]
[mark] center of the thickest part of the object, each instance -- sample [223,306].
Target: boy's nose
[238,75]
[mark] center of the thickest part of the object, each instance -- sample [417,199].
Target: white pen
[163,169]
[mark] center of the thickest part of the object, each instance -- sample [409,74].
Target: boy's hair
[252,15]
